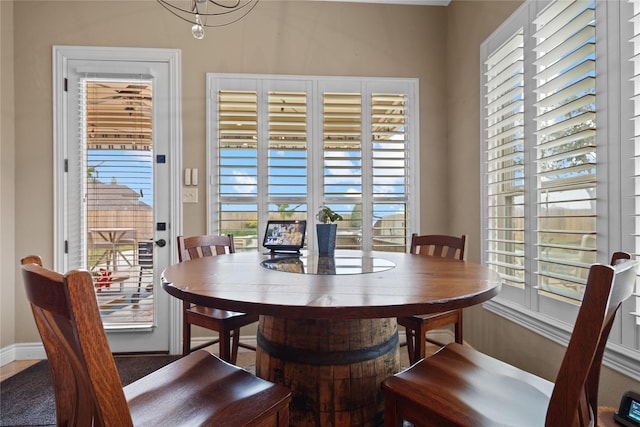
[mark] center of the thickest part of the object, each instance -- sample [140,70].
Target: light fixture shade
[208,13]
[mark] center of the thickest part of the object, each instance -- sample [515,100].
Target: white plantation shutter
[236,206]
[342,143]
[566,146]
[77,171]
[282,146]
[389,148]
[342,162]
[505,160]
[287,155]
[561,171]
[635,141]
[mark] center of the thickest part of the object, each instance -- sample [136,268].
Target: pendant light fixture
[208,13]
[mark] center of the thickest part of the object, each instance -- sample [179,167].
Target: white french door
[117,148]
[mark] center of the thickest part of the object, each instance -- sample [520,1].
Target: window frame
[316,86]
[553,318]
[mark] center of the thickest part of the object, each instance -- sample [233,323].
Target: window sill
[616,357]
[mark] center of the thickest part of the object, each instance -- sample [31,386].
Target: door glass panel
[119,197]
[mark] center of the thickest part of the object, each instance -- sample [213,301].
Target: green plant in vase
[326,215]
[326,231]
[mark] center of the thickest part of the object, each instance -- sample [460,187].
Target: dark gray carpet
[26,399]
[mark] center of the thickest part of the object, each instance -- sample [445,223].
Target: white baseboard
[35,351]
[24,351]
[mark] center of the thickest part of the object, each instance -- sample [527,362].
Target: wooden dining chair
[226,323]
[198,389]
[459,386]
[416,327]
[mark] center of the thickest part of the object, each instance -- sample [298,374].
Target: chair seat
[457,380]
[437,319]
[217,313]
[204,316]
[200,389]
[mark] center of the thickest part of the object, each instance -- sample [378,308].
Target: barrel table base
[333,367]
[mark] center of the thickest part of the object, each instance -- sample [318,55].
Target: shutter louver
[505,160]
[566,146]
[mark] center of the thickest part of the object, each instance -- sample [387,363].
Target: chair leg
[283,417]
[186,332]
[421,343]
[458,331]
[391,418]
[225,345]
[235,342]
[186,339]
[411,336]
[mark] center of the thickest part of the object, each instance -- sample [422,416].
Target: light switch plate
[189,195]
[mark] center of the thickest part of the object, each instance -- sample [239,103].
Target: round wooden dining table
[327,326]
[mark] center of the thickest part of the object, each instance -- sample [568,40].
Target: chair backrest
[618,257]
[32,259]
[203,246]
[575,395]
[438,245]
[593,379]
[87,386]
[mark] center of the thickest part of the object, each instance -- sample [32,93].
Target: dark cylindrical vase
[326,234]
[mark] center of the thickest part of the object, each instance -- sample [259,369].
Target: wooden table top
[416,285]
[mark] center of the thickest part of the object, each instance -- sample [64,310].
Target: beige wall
[284,37]
[439,46]
[468,24]
[7,178]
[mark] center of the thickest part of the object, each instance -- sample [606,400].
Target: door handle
[161,242]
